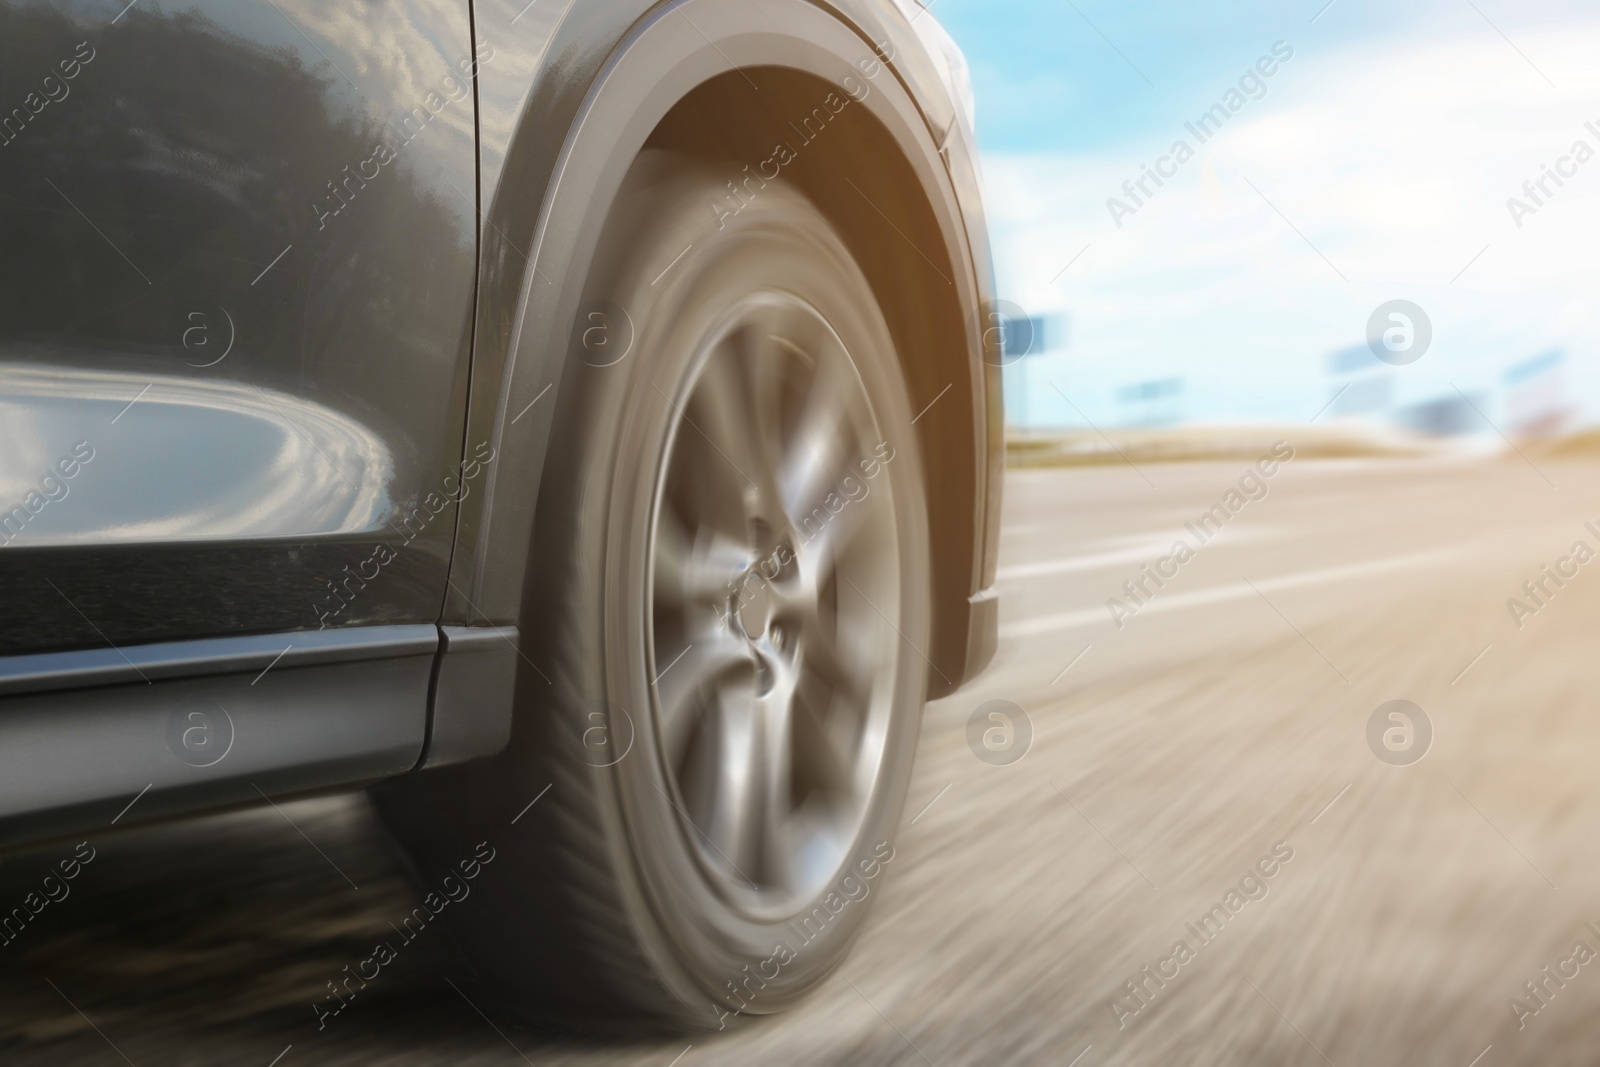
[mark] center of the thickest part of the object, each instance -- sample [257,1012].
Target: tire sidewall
[615,420]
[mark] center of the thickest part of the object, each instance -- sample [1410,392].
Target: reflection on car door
[237,250]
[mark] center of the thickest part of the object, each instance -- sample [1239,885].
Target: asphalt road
[1406,904]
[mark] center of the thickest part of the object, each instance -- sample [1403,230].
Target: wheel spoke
[818,450]
[701,567]
[733,814]
[690,681]
[775,710]
[772,691]
[825,541]
[726,409]
[822,762]
[821,662]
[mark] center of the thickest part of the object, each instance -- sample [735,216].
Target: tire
[728,591]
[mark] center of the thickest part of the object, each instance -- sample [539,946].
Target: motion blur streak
[1419,901]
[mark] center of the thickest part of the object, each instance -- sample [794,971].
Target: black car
[574,420]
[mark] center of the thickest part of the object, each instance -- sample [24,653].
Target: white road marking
[1144,549]
[1141,553]
[1098,615]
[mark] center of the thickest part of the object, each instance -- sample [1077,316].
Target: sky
[1373,165]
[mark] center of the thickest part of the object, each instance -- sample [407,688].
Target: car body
[288,291]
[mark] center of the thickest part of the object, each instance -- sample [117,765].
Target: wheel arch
[720,80]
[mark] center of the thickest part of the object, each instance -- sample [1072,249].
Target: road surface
[1220,734]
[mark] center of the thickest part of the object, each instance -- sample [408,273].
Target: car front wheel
[728,595]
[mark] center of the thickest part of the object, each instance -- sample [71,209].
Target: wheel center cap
[756,610]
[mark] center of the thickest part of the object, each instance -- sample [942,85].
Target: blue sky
[1045,79]
[1376,166]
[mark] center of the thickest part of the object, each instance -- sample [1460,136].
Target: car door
[237,246]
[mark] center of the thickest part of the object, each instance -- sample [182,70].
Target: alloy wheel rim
[774,605]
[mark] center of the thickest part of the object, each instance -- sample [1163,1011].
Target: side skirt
[101,737]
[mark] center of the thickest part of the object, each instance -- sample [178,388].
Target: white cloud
[1395,163]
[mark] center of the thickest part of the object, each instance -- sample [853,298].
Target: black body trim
[41,672]
[105,736]
[472,694]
